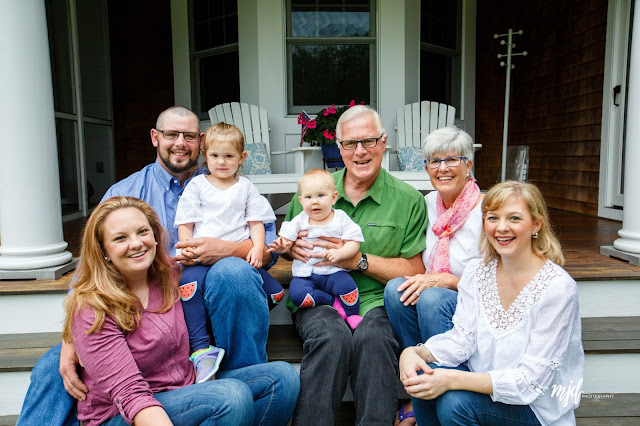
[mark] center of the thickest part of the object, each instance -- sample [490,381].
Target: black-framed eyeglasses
[172,135]
[350,144]
[453,161]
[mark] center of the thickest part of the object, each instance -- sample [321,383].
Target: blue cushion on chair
[257,161]
[410,159]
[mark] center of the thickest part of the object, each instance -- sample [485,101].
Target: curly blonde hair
[546,245]
[100,286]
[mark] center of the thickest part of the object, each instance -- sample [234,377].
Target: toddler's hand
[255,257]
[333,255]
[280,245]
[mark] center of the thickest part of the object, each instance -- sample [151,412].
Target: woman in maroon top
[127,325]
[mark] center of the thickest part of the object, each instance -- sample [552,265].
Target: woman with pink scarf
[422,305]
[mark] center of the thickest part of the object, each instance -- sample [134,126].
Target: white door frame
[610,198]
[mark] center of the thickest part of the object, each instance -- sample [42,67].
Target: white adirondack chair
[415,122]
[252,120]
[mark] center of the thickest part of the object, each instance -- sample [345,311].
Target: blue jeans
[195,313]
[233,296]
[460,407]
[332,351]
[220,402]
[264,394]
[237,305]
[430,316]
[47,401]
[274,387]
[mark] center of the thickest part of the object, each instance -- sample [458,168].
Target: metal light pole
[507,92]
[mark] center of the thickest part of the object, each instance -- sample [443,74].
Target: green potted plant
[321,131]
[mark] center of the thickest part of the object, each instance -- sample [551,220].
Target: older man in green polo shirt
[393,218]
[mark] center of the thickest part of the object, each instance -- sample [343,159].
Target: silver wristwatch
[363,263]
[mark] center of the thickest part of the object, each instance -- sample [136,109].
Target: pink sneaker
[338,307]
[353,321]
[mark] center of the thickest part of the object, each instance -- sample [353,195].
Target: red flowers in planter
[329,135]
[322,129]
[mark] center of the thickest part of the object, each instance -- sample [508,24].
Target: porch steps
[601,337]
[31,319]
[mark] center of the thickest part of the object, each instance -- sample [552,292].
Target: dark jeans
[332,352]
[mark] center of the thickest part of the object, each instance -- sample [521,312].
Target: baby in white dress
[322,285]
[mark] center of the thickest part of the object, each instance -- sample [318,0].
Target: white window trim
[372,41]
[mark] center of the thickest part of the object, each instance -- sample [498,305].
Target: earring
[535,235]
[156,243]
[106,258]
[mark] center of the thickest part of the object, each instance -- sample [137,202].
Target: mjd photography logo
[564,393]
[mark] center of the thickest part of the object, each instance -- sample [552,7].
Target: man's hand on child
[68,370]
[301,249]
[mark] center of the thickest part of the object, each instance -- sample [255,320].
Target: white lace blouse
[530,350]
[222,214]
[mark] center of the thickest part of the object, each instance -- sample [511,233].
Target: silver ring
[417,293]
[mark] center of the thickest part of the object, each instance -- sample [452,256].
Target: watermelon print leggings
[306,292]
[192,296]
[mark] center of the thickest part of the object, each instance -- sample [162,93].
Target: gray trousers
[332,352]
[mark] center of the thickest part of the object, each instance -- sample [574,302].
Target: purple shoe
[207,363]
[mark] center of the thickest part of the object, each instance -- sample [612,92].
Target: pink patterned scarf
[448,222]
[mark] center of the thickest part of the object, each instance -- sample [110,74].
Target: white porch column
[31,227]
[628,245]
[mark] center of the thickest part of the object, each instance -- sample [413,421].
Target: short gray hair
[357,111]
[448,139]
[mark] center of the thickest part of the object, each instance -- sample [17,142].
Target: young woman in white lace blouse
[516,328]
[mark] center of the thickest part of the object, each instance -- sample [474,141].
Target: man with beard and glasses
[241,329]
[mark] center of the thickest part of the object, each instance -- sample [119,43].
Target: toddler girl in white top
[228,207]
[322,285]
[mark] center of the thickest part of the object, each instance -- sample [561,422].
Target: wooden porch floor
[581,237]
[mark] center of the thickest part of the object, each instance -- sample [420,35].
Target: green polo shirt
[393,218]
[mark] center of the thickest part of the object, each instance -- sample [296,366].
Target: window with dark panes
[330,53]
[215,73]
[440,51]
